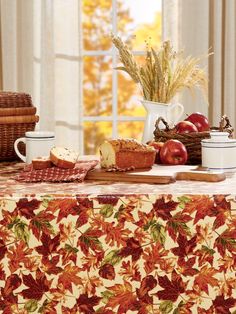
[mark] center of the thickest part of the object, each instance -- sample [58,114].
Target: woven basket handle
[225,124]
[160,119]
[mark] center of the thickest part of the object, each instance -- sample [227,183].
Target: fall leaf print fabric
[116,254]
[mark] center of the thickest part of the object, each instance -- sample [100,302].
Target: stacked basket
[192,141]
[17,116]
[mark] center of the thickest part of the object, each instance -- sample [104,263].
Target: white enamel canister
[219,152]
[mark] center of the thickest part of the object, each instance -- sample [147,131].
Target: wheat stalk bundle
[164,73]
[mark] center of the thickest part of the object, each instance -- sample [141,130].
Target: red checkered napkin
[56,174]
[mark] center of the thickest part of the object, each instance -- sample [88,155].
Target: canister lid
[219,138]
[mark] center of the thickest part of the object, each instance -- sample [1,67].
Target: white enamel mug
[38,144]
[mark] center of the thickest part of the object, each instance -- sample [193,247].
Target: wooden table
[102,247]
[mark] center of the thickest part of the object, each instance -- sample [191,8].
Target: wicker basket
[17,116]
[192,141]
[15,100]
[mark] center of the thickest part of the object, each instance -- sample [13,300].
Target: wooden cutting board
[157,175]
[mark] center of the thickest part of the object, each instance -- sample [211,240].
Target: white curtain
[41,56]
[197,26]
[185,23]
[222,68]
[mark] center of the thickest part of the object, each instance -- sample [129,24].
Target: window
[74,61]
[110,98]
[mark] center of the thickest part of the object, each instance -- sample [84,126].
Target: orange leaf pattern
[117,254]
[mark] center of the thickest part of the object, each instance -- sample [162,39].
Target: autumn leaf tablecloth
[117,252]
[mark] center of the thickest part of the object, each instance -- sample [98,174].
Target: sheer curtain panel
[41,56]
[197,26]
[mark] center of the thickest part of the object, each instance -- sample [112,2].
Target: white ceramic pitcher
[170,112]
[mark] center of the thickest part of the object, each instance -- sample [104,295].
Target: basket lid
[15,100]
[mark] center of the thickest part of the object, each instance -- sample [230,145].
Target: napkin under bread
[55,174]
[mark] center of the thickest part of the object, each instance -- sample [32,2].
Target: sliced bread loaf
[63,157]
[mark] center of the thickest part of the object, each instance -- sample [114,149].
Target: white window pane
[140,20]
[131,129]
[94,134]
[97,86]
[97,24]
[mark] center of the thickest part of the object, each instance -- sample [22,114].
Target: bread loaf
[63,157]
[41,163]
[126,153]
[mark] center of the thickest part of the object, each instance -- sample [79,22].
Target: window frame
[113,53]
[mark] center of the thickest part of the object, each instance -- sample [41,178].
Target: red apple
[173,152]
[200,121]
[157,146]
[185,127]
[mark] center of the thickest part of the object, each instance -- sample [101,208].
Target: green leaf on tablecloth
[106,296]
[158,233]
[107,210]
[149,224]
[183,200]
[177,310]
[46,199]
[91,241]
[42,308]
[112,258]
[21,231]
[120,210]
[46,224]
[31,305]
[166,307]
[13,223]
[177,226]
[208,250]
[70,248]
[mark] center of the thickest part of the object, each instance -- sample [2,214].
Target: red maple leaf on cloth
[130,271]
[123,297]
[206,277]
[12,283]
[3,249]
[107,271]
[69,276]
[26,208]
[41,224]
[49,245]
[85,205]
[177,224]
[66,207]
[132,248]
[163,209]
[172,288]
[222,305]
[84,201]
[153,256]
[147,284]
[89,240]
[226,240]
[186,267]
[108,199]
[86,303]
[50,265]
[185,246]
[17,255]
[36,287]
[202,205]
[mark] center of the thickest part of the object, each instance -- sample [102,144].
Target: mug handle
[178,116]
[21,139]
